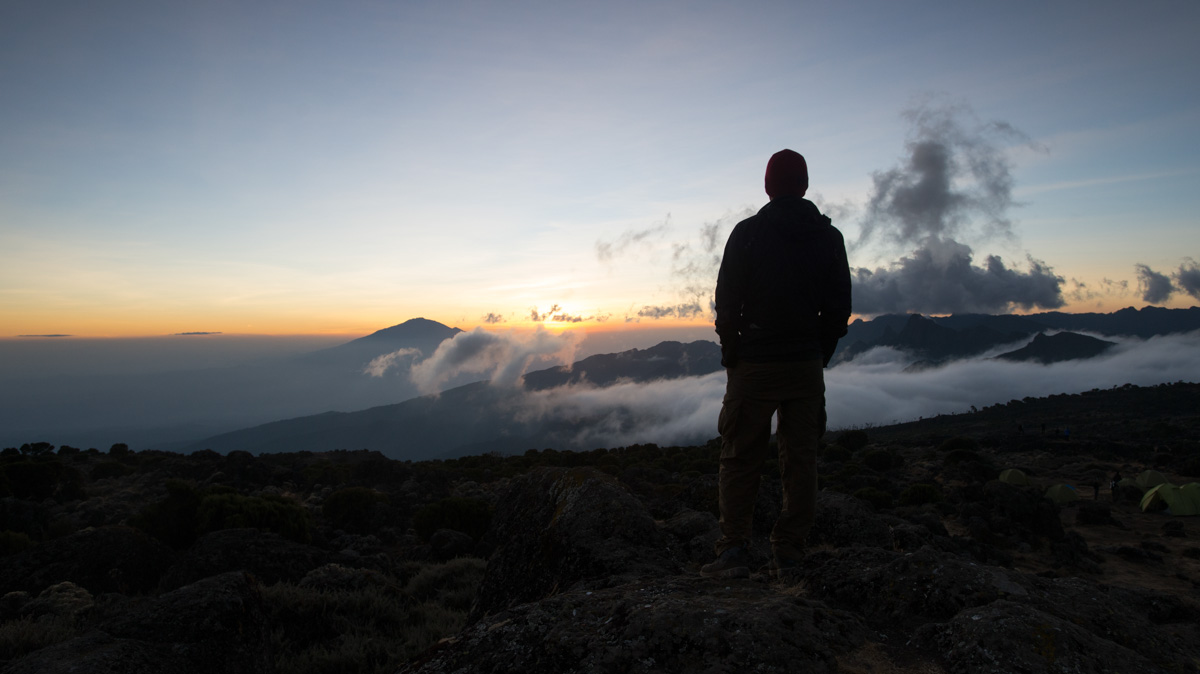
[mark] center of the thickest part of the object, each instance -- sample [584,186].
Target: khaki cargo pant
[755,392]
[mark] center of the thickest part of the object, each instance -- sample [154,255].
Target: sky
[324,168]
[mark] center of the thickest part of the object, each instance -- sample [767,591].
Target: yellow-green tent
[1062,493]
[1177,500]
[1150,478]
[1015,477]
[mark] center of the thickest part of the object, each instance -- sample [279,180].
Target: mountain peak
[418,328]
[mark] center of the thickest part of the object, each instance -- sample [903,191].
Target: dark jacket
[783,292]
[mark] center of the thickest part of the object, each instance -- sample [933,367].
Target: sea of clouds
[879,387]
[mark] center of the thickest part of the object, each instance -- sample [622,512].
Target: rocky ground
[920,561]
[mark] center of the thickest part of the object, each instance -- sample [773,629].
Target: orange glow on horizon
[291,322]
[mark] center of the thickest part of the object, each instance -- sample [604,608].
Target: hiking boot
[784,567]
[733,563]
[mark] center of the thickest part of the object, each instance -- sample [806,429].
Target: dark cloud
[955,183]
[676,311]
[539,317]
[492,319]
[1188,278]
[1154,287]
[607,250]
[188,334]
[940,278]
[956,180]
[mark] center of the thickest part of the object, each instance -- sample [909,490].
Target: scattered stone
[1094,513]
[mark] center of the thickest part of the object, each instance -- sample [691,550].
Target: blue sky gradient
[308,167]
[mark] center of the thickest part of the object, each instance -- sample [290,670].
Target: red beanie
[787,175]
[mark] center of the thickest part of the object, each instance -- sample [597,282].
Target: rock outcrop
[582,582]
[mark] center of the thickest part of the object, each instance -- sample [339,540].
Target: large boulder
[555,529]
[1008,515]
[678,624]
[215,625]
[62,600]
[890,588]
[106,559]
[1006,636]
[844,521]
[940,595]
[270,557]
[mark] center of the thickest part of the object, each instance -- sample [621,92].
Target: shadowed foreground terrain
[548,561]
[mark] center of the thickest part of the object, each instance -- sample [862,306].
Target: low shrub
[920,494]
[956,456]
[173,519]
[836,454]
[40,478]
[189,512]
[277,514]
[371,629]
[880,459]
[849,469]
[110,468]
[471,516]
[878,498]
[351,509]
[23,636]
[959,442]
[853,440]
[12,542]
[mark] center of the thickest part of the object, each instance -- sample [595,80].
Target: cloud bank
[873,389]
[955,184]
[381,364]
[502,358]
[1157,288]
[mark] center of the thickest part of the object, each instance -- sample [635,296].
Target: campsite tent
[1015,477]
[1062,493]
[1192,491]
[1150,478]
[1178,500]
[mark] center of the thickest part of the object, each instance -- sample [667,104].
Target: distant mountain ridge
[666,360]
[416,333]
[939,339]
[1060,347]
[467,419]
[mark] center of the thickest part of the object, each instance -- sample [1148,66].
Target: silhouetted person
[1114,484]
[782,303]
